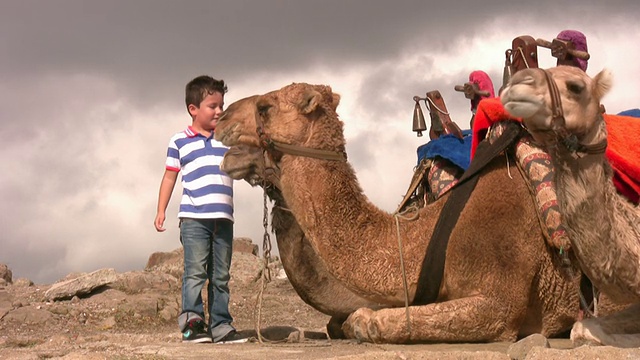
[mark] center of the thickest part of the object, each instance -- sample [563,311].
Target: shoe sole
[239,341]
[198,341]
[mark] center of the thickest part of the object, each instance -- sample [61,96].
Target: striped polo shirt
[207,190]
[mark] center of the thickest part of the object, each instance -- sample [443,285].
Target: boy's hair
[198,88]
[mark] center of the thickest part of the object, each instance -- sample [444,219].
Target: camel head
[575,112]
[299,115]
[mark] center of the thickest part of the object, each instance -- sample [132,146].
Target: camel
[500,280]
[305,271]
[603,226]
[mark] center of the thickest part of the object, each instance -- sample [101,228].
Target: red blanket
[623,149]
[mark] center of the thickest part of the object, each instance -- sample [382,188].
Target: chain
[266,254]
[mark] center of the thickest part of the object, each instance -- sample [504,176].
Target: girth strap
[432,269]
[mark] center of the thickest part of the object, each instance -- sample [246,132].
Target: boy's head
[204,97]
[198,89]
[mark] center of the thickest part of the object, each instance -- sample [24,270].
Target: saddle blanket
[623,148]
[450,148]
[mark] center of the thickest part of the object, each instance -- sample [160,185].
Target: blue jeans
[207,247]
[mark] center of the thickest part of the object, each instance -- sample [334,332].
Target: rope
[398,216]
[437,108]
[524,58]
[265,278]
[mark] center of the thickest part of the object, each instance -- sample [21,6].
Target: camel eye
[263,108]
[575,87]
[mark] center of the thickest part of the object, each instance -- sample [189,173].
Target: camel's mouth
[522,108]
[226,134]
[519,102]
[237,123]
[244,163]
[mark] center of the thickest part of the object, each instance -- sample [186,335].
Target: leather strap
[432,271]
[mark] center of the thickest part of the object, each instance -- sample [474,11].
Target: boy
[206,215]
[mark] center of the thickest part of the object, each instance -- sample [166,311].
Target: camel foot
[618,329]
[357,325]
[381,326]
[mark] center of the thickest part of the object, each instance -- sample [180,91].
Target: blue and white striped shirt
[207,190]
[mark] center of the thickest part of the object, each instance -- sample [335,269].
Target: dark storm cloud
[150,44]
[90,91]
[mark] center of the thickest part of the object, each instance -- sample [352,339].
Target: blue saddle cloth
[630,112]
[449,147]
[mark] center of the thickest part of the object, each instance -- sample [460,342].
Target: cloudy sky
[91,91]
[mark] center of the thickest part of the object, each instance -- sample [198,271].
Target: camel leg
[621,329]
[469,319]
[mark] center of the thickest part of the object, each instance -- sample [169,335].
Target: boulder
[81,285]
[6,274]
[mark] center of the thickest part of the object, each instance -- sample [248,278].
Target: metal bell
[419,125]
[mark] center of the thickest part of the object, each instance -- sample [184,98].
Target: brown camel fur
[305,270]
[603,227]
[500,281]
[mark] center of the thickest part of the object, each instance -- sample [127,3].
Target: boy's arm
[166,188]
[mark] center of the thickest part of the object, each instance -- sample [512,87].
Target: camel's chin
[234,171]
[522,109]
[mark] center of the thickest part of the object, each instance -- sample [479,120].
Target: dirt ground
[290,330]
[102,325]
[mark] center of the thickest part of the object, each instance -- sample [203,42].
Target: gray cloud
[91,91]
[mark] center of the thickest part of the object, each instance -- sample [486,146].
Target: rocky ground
[132,315]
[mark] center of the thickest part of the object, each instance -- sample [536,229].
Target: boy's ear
[193,110]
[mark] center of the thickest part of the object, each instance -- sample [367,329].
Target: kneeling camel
[500,280]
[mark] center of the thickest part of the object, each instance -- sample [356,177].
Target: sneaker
[232,338]
[196,332]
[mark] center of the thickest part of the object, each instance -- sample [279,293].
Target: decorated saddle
[623,149]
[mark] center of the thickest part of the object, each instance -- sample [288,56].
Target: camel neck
[599,221]
[348,232]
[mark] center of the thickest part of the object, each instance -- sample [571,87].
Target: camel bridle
[570,141]
[276,148]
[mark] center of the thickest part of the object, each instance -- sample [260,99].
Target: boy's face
[206,116]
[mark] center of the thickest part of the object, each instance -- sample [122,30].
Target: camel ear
[602,83]
[309,102]
[335,101]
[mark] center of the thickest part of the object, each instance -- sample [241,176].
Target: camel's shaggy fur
[500,280]
[603,227]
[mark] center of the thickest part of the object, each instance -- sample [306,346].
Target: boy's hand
[159,222]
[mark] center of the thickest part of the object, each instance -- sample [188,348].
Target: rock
[245,268]
[6,303]
[141,304]
[107,323]
[28,315]
[23,282]
[5,273]
[158,260]
[520,349]
[81,285]
[245,245]
[281,275]
[134,282]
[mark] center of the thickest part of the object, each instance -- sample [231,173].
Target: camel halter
[570,141]
[276,148]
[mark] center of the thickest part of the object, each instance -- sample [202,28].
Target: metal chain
[266,254]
